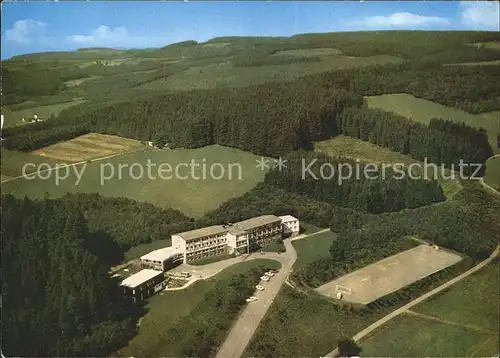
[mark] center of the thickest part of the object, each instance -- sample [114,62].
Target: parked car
[270,274]
[264,278]
[259,287]
[252,299]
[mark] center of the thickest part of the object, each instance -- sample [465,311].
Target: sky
[29,27]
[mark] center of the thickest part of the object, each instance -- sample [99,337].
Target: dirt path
[359,336]
[437,319]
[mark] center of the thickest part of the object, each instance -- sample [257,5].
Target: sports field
[422,110]
[390,274]
[88,146]
[219,174]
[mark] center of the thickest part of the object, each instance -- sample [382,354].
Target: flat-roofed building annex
[290,225]
[143,284]
[162,259]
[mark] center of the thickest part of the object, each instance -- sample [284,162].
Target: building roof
[140,277]
[206,231]
[235,231]
[256,222]
[161,254]
[288,218]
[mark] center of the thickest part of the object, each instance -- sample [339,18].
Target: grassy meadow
[313,248]
[469,310]
[472,301]
[191,194]
[410,336]
[492,175]
[422,110]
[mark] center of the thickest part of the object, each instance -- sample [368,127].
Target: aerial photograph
[237,179]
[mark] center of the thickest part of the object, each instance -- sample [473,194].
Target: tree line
[441,142]
[57,296]
[349,183]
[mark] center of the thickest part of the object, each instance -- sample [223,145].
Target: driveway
[245,326]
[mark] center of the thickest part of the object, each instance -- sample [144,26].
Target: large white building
[236,238]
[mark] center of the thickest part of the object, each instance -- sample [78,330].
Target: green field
[469,312]
[188,193]
[342,146]
[492,175]
[301,325]
[313,248]
[274,247]
[472,301]
[14,118]
[13,162]
[409,336]
[166,309]
[422,110]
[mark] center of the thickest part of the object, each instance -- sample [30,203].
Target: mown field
[313,248]
[342,146]
[167,309]
[492,175]
[88,146]
[460,322]
[191,194]
[422,110]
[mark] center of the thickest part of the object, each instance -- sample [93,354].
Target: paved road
[248,321]
[418,300]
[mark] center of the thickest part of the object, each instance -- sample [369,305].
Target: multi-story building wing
[237,240]
[261,229]
[201,243]
[241,237]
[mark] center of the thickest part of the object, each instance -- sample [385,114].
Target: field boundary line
[437,319]
[73,164]
[360,335]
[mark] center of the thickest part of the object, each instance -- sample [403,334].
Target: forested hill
[57,297]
